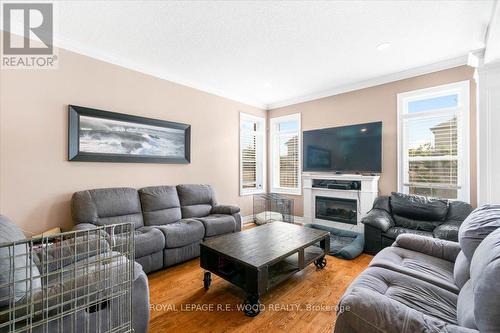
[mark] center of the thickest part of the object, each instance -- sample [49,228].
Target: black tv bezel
[375,172]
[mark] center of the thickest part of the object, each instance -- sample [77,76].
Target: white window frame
[260,155]
[274,153]
[462,89]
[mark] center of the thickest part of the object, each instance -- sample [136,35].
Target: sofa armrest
[225,209]
[363,310]
[435,247]
[447,230]
[378,218]
[237,221]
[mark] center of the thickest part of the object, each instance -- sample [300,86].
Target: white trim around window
[288,180]
[252,161]
[415,162]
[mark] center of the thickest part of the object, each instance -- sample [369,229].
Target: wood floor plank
[304,303]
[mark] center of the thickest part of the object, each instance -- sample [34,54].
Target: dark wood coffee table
[262,257]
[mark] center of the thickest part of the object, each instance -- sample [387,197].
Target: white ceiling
[275,53]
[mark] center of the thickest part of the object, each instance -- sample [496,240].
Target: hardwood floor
[304,303]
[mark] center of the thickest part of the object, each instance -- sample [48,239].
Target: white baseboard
[249,219]
[246,219]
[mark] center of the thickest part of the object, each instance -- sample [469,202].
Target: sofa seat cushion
[412,293]
[147,240]
[394,232]
[182,233]
[79,286]
[422,266]
[409,223]
[218,224]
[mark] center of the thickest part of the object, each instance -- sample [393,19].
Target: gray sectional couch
[170,221]
[425,284]
[68,267]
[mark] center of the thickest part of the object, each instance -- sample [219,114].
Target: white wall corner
[488,133]
[492,52]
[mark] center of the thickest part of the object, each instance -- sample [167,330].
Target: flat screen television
[346,149]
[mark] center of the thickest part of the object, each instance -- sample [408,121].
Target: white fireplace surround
[365,197]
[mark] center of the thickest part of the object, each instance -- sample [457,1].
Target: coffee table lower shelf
[256,281]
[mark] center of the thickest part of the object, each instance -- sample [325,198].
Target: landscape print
[106,136]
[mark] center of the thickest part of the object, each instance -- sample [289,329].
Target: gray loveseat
[424,284]
[170,221]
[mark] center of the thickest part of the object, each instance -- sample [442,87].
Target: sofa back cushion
[417,212]
[416,207]
[458,211]
[196,200]
[160,205]
[107,206]
[15,264]
[476,227]
[485,283]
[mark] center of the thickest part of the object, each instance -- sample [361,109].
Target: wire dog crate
[268,207]
[79,281]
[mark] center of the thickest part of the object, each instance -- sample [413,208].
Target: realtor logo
[28,33]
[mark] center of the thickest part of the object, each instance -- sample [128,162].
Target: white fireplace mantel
[364,196]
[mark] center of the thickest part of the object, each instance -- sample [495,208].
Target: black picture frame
[75,154]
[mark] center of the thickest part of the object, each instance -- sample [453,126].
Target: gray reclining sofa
[425,284]
[170,221]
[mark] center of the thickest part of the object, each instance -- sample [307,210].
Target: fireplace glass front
[337,209]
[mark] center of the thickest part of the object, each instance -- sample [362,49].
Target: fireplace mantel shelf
[340,176]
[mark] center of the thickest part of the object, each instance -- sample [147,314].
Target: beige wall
[379,104]
[36,180]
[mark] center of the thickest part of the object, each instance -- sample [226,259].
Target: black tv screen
[355,148]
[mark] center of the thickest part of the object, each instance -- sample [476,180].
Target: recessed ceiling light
[383,46]
[364,129]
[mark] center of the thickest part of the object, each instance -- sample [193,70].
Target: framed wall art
[103,136]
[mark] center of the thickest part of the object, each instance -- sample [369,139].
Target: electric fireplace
[337,209]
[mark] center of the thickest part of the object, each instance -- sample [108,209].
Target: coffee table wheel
[251,307]
[207,280]
[320,263]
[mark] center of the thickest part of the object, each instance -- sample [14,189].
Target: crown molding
[154,72]
[115,60]
[426,69]
[434,67]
